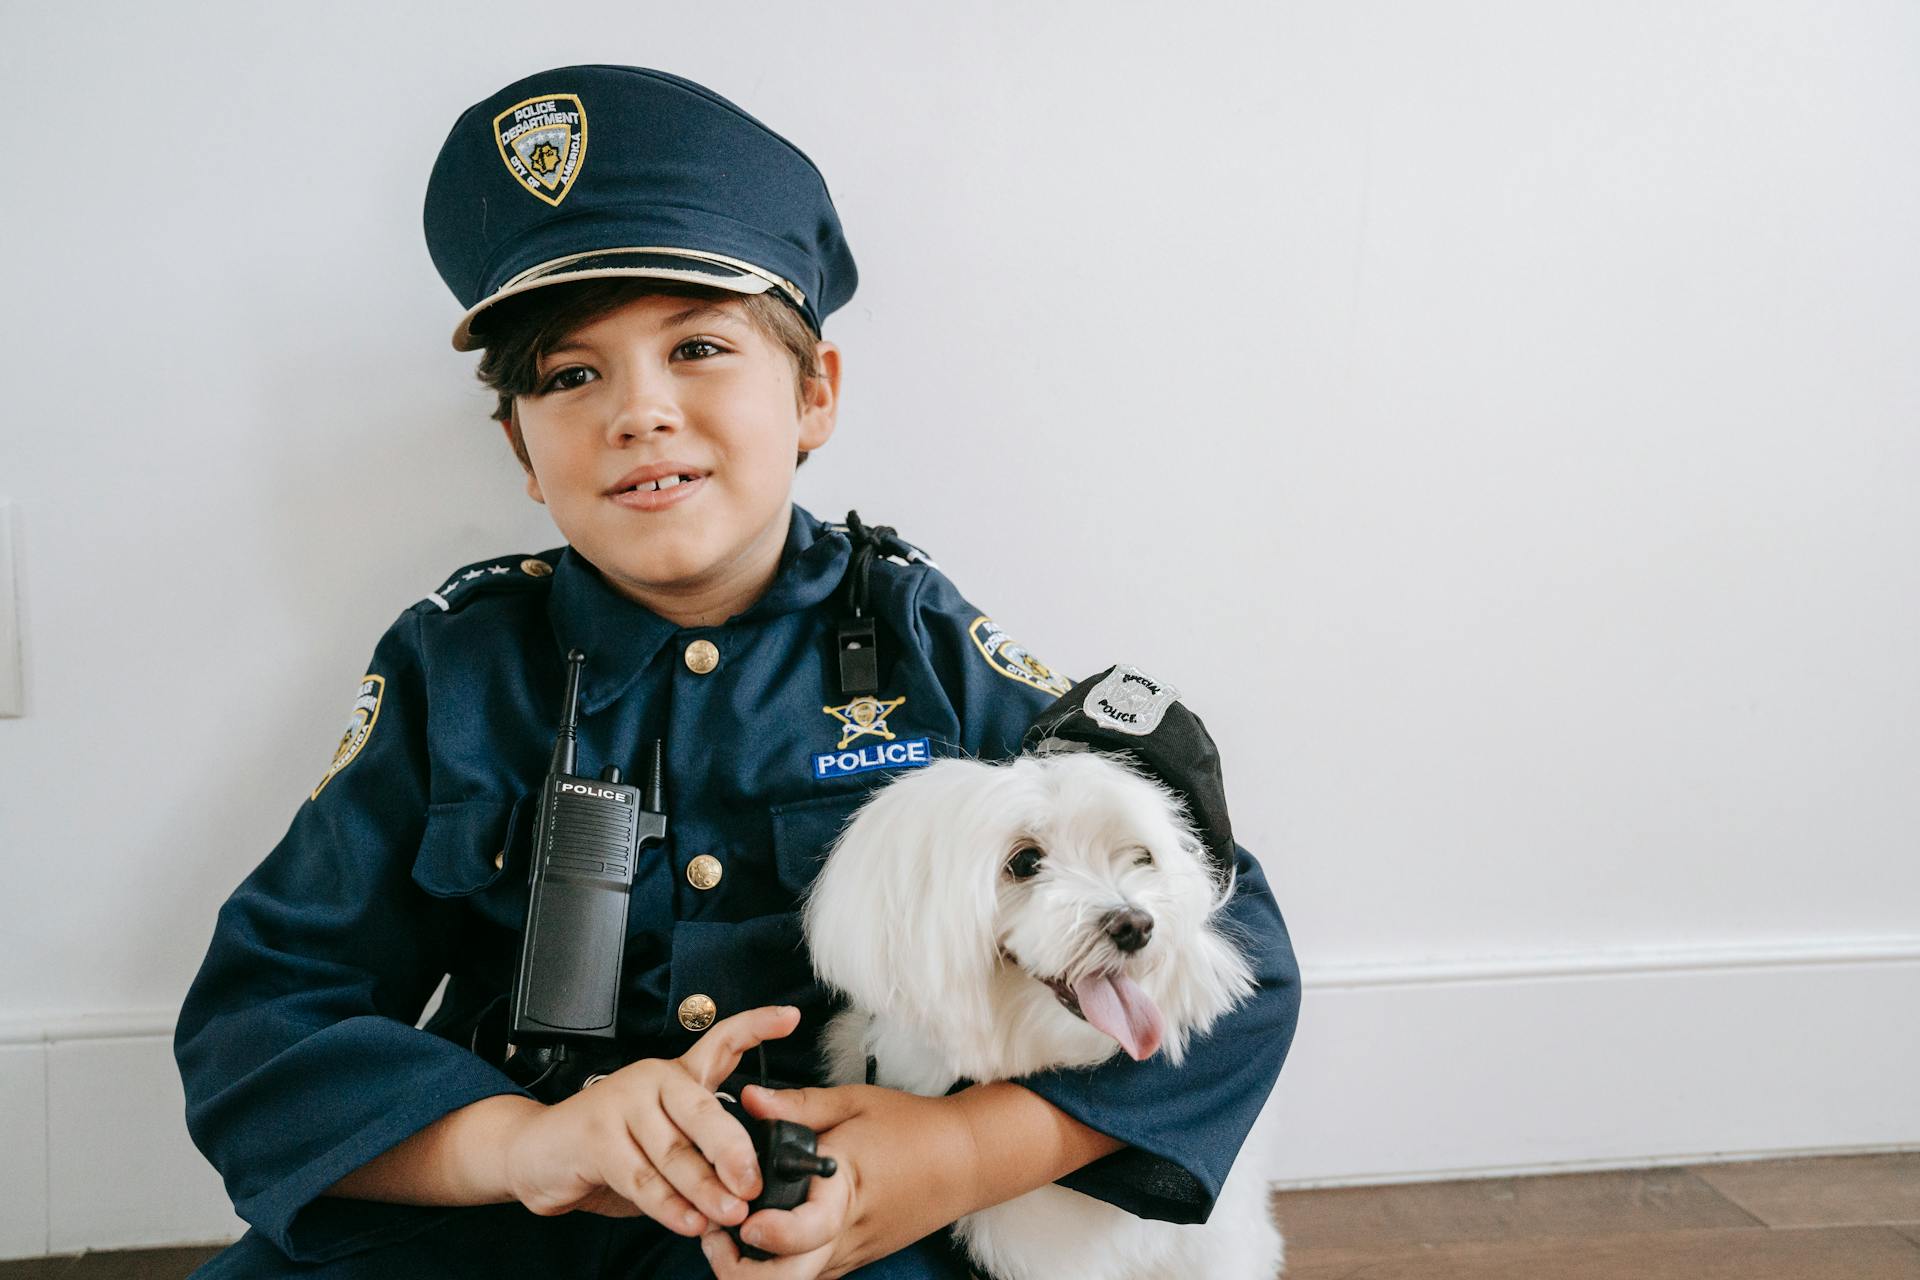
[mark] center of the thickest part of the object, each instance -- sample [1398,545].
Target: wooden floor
[133,1264]
[1843,1218]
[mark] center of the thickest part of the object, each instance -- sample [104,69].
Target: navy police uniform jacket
[298,1042]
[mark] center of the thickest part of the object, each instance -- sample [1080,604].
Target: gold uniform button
[535,568]
[499,860]
[704,872]
[696,1012]
[702,656]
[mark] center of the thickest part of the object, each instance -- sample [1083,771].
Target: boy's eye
[574,375]
[578,375]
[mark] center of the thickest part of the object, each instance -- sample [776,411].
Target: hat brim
[605,265]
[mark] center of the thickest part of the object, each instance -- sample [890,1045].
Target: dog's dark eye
[1025,863]
[1143,857]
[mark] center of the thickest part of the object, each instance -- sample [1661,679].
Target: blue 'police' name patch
[908,753]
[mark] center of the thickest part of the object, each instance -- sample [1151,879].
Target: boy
[647,268]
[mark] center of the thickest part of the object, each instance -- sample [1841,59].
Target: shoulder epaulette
[889,544]
[490,577]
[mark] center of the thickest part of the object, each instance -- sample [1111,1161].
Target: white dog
[990,920]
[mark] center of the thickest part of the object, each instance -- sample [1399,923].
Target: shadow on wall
[369,471]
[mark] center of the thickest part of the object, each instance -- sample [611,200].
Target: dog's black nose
[1129,928]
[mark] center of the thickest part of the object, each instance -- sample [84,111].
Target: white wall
[1498,418]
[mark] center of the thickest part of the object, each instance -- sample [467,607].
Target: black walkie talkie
[587,839]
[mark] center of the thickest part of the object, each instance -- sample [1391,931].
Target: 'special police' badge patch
[1011,659]
[366,710]
[543,142]
[1129,701]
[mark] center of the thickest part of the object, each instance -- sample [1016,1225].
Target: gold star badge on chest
[865,715]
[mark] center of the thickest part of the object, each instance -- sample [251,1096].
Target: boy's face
[669,387]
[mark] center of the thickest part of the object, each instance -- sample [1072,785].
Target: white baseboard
[100,1119]
[23,1140]
[1566,1063]
[1399,1073]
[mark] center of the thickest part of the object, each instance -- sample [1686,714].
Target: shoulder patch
[1010,658]
[488,577]
[366,712]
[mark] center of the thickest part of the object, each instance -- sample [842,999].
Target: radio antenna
[654,800]
[565,746]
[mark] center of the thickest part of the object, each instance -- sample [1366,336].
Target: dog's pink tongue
[1116,1004]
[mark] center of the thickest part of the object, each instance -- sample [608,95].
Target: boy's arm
[910,1165]
[1018,1141]
[1147,1137]
[296,1043]
[1155,1141]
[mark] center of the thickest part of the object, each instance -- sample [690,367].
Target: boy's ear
[823,401]
[533,481]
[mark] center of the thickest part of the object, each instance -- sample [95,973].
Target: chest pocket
[471,845]
[804,832]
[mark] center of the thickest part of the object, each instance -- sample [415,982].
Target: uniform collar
[621,637]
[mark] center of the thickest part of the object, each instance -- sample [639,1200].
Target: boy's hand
[906,1169]
[650,1138]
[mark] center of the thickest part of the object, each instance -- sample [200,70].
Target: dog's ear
[901,917]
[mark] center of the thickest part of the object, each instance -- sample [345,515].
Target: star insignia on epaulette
[483,578]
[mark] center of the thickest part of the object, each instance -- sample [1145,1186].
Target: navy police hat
[598,171]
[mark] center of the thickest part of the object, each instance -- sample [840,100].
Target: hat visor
[469,335]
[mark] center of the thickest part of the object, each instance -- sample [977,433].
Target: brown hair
[522,329]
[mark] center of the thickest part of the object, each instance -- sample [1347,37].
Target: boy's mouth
[664,482]
[657,485]
[657,475]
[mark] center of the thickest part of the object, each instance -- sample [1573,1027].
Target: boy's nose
[642,412]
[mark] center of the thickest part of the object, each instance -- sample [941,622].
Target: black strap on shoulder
[856,639]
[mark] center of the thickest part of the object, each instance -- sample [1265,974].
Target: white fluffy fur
[916,919]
